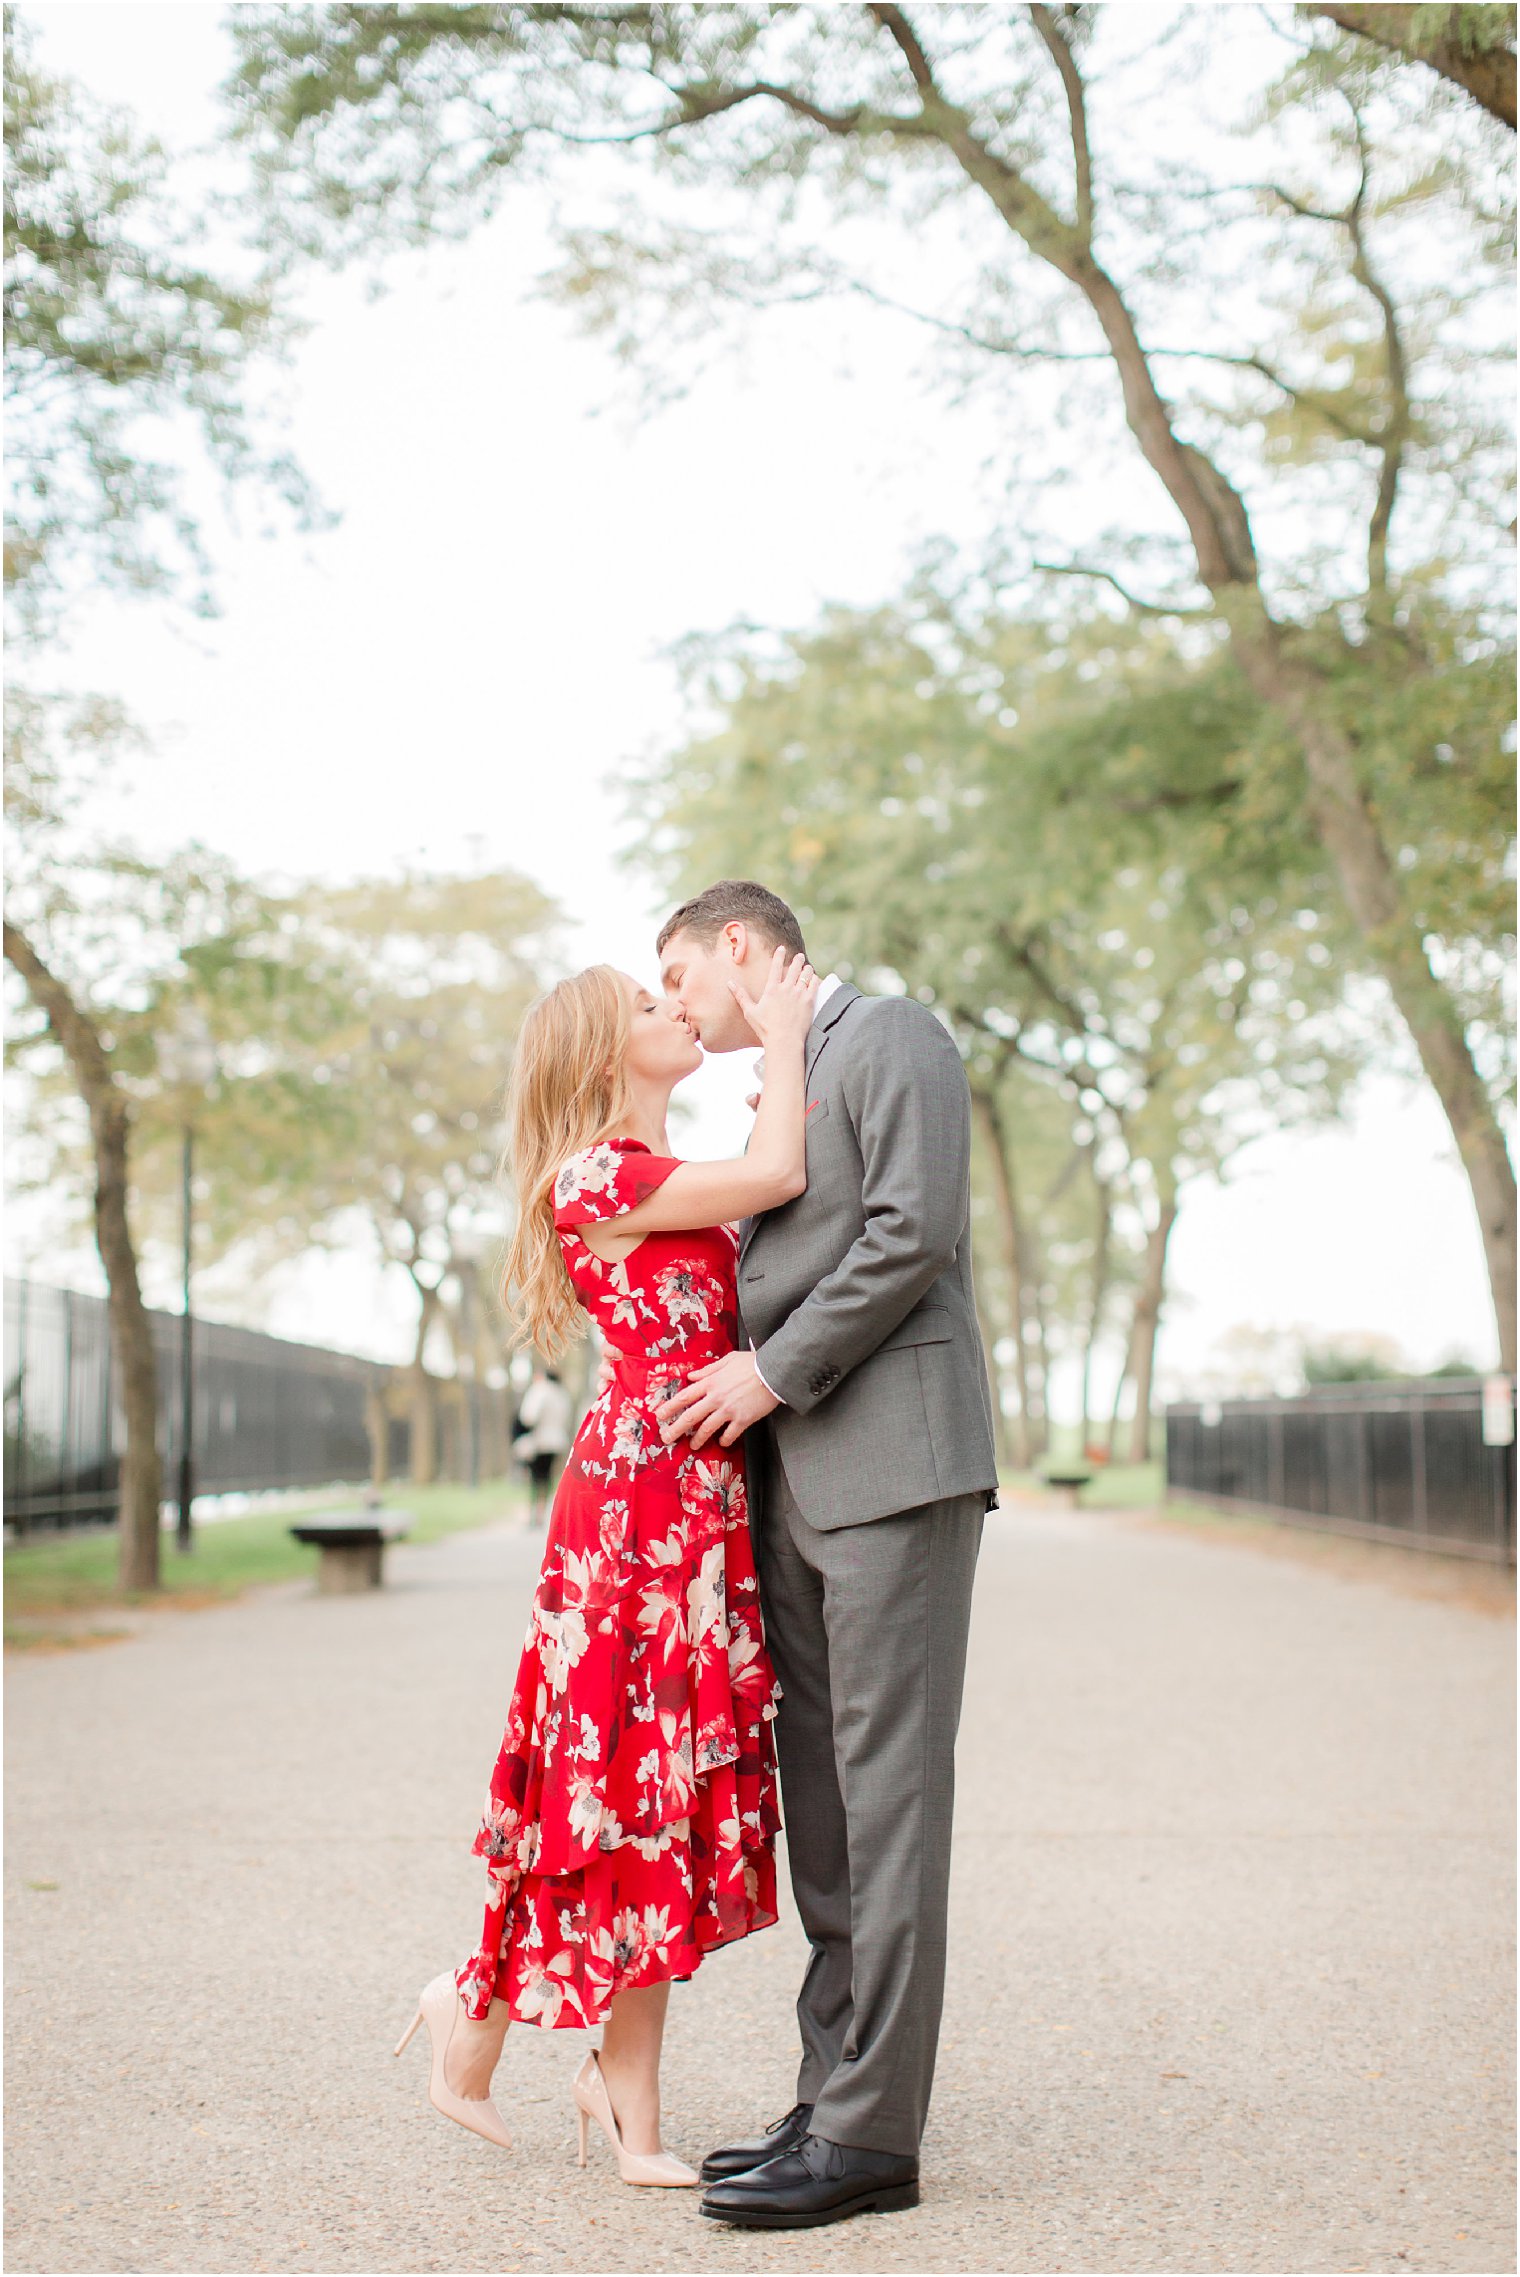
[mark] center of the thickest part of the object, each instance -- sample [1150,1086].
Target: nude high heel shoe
[437,2008]
[654,2169]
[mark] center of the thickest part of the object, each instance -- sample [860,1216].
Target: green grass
[72,1576]
[1113,1486]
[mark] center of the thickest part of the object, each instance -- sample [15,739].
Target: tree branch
[1395,436]
[696,107]
[892,20]
[1486,73]
[1216,518]
[983,341]
[1304,397]
[694,110]
[1391,439]
[1076,105]
[1208,794]
[1141,608]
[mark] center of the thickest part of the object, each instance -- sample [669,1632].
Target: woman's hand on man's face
[783,1011]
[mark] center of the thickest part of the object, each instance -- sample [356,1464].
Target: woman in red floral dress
[631,1819]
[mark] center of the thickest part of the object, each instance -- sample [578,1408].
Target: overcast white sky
[461,670]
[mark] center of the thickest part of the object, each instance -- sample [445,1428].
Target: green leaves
[1084,843]
[114,333]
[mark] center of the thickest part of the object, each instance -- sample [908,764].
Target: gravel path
[1230,1971]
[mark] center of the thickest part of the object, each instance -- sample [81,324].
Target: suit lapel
[823,1027]
[818,1036]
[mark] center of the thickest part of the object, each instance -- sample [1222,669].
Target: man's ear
[736,934]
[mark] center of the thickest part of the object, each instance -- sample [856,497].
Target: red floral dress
[631,1821]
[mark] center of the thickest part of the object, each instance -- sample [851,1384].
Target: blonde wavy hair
[568,1089]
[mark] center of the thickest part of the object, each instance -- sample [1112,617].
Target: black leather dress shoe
[738,2158]
[817,2182]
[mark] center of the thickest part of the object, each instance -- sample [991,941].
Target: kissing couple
[762,1546]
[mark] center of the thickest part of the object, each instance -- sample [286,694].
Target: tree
[109,329]
[438,973]
[375,1048]
[107,947]
[371,120]
[362,1038]
[1057,840]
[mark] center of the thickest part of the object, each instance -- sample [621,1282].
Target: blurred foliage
[114,331]
[359,1039]
[1294,310]
[1348,1364]
[424,980]
[359,1036]
[1084,839]
[143,943]
[1471,46]
[729,160]
[1083,845]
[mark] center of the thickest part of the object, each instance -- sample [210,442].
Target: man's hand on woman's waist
[721,1400]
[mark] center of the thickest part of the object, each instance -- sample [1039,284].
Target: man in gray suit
[864,1396]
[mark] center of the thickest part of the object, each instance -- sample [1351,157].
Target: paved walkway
[1230,1945]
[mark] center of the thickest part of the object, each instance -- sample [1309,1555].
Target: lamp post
[468,1246]
[187,1060]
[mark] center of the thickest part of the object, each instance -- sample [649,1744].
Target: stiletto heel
[651,2169]
[581,2117]
[437,2009]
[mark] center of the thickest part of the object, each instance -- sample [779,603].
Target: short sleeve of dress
[607,1180]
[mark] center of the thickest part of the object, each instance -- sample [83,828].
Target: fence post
[21,1312]
[1366,1506]
[182,1533]
[111,1464]
[65,1427]
[1419,1501]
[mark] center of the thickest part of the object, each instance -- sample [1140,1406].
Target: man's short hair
[734,901]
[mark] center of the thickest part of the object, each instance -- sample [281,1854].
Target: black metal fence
[266,1413]
[1399,1462]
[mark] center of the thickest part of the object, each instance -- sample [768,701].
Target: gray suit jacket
[857,1296]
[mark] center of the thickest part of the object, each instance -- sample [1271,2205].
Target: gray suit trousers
[867,1629]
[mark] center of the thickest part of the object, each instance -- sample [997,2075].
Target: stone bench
[352,1546]
[1069,1485]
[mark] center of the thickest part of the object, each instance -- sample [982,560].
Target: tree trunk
[1111,1420]
[1348,830]
[1039,1362]
[424,1437]
[1148,1320]
[131,1331]
[994,1375]
[989,1118]
[1100,1277]
[423,1391]
[377,1422]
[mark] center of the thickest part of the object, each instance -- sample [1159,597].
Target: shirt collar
[826,988]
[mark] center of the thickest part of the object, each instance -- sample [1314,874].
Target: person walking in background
[631,1820]
[863,1393]
[546,1416]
